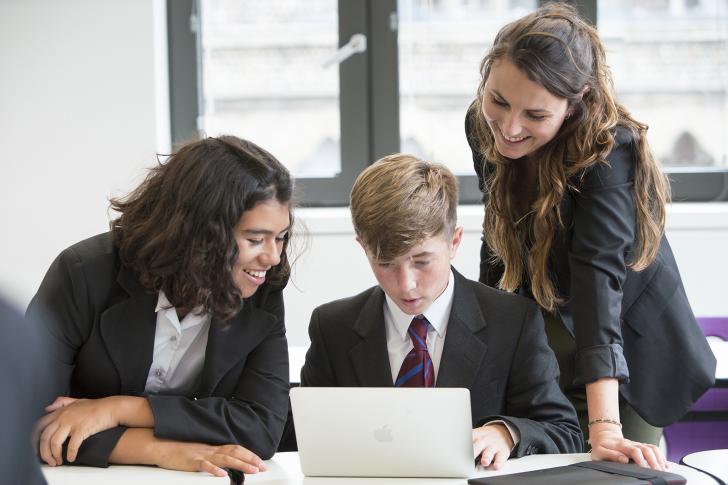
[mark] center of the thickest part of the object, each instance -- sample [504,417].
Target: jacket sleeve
[254,415]
[22,378]
[546,421]
[602,236]
[64,316]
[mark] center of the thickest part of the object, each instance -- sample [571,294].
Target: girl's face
[260,235]
[521,113]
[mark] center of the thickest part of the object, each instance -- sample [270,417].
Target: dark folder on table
[592,472]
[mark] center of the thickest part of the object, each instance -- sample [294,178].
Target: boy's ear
[457,238]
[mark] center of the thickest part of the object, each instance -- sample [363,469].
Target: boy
[427,325]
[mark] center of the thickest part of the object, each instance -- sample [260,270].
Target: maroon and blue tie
[416,370]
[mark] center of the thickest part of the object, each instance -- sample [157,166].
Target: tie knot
[418,332]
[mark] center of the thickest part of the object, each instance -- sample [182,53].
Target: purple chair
[705,426]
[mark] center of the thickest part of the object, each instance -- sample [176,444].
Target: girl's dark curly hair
[176,229]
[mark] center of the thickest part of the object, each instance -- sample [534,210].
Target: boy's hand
[493,443]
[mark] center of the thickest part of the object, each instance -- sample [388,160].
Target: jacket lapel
[127,330]
[228,343]
[463,351]
[370,357]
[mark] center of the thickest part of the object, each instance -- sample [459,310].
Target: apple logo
[383,434]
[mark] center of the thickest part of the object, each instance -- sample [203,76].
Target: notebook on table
[592,472]
[383,432]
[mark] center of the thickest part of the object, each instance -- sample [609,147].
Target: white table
[714,462]
[720,350]
[285,469]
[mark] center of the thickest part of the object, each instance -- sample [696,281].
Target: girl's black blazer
[100,324]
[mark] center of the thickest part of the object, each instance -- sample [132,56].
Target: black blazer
[102,325]
[495,346]
[637,327]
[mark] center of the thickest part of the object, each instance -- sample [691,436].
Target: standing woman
[168,330]
[574,218]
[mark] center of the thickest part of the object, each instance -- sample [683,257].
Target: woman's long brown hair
[560,51]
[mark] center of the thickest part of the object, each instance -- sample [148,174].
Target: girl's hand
[193,457]
[73,420]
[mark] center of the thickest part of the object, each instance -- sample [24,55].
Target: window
[255,69]
[264,77]
[441,44]
[259,70]
[669,59]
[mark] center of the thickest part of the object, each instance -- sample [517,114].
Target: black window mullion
[354,113]
[182,51]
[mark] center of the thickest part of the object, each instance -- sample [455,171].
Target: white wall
[334,265]
[80,116]
[83,110]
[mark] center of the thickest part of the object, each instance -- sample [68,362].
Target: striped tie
[416,370]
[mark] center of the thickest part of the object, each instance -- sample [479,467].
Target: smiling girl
[168,330]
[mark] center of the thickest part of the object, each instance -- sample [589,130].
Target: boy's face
[415,279]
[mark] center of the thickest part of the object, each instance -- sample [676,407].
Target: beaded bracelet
[604,420]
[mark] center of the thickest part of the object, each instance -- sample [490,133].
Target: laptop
[383,432]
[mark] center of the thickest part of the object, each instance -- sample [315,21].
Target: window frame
[369,123]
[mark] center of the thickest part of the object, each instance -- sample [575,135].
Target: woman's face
[521,113]
[260,234]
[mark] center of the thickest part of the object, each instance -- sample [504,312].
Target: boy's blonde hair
[399,201]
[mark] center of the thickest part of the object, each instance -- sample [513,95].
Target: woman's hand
[605,438]
[73,420]
[493,443]
[194,457]
[608,444]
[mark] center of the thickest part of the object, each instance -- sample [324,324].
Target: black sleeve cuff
[96,450]
[600,361]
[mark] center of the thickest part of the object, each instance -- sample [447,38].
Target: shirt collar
[162,302]
[195,317]
[437,314]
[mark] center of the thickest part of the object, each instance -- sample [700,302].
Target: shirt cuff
[593,363]
[515,434]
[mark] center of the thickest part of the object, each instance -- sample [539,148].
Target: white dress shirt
[179,350]
[396,324]
[399,344]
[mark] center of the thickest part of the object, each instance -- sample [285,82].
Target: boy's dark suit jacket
[495,346]
[101,326]
[634,326]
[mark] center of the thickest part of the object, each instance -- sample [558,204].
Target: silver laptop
[383,432]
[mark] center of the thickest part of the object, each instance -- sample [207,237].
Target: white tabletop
[285,469]
[714,462]
[720,350]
